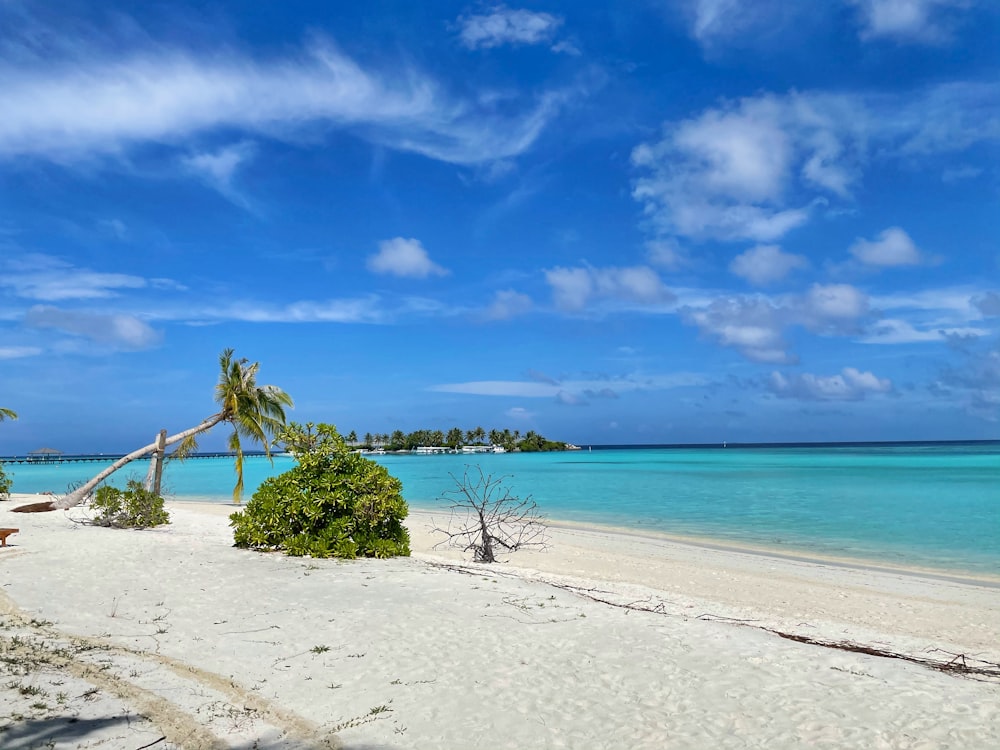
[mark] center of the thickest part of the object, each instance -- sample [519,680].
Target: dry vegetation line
[46,646]
[952,663]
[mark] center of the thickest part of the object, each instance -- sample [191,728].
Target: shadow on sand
[63,730]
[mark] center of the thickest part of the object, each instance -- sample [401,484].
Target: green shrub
[135,507]
[334,503]
[5,484]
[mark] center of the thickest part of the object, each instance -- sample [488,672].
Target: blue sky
[662,221]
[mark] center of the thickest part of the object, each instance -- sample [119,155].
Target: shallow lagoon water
[926,505]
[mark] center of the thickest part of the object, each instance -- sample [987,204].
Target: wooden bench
[4,533]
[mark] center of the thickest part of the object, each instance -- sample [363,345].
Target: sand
[170,636]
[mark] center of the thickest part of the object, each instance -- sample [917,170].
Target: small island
[456,440]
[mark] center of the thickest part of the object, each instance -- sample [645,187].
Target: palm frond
[187,446]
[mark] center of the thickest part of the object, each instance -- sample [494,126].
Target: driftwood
[950,663]
[42,507]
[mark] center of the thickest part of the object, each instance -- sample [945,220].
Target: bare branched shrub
[487,520]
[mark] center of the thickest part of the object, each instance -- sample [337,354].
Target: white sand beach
[172,638]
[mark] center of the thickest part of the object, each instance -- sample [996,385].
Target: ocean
[929,505]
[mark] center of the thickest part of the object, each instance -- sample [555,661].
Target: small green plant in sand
[135,507]
[5,484]
[333,503]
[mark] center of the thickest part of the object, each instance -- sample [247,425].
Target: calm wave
[935,505]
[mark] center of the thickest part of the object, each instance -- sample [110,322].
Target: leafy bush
[5,484]
[334,503]
[135,507]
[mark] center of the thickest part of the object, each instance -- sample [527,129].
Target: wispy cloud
[218,168]
[713,23]
[404,257]
[503,25]
[935,307]
[508,304]
[98,102]
[367,309]
[604,387]
[896,331]
[49,279]
[716,24]
[921,21]
[19,352]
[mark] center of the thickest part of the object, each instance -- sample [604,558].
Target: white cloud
[98,102]
[766,264]
[756,168]
[850,385]
[505,25]
[755,325]
[751,325]
[892,248]
[907,20]
[507,304]
[574,288]
[831,309]
[117,330]
[729,173]
[404,257]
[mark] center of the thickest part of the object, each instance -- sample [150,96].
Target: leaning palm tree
[256,413]
[7,414]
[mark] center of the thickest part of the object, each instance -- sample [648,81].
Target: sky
[664,221]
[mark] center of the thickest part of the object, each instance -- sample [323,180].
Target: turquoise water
[918,505]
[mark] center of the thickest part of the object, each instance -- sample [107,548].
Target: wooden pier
[103,458]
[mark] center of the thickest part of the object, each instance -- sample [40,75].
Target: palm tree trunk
[154,476]
[77,496]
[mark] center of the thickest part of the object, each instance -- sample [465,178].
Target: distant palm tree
[256,413]
[7,414]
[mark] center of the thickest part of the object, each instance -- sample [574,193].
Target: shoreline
[789,552]
[603,640]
